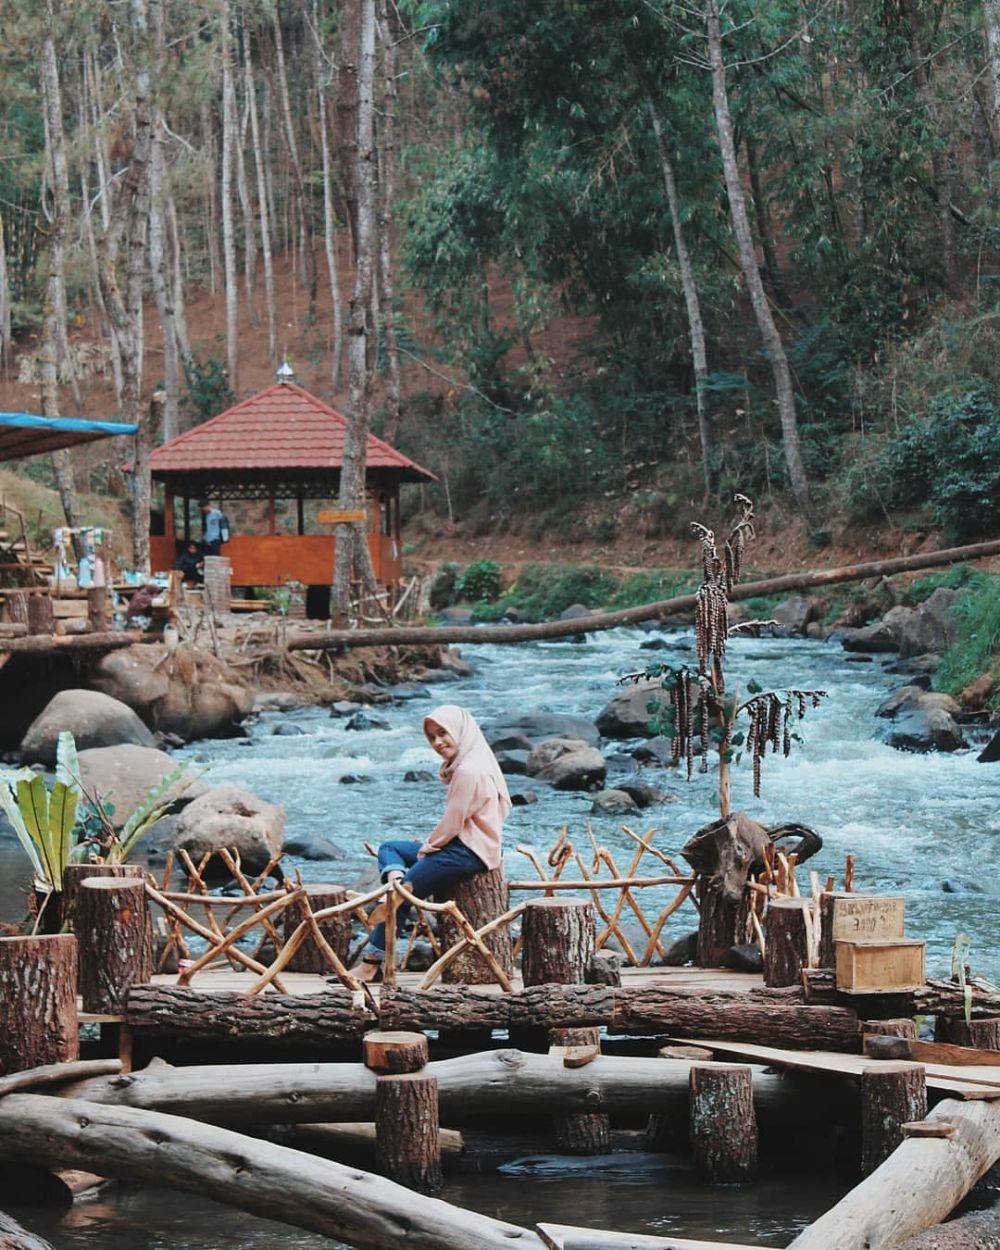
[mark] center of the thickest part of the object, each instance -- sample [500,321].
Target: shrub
[443,587]
[208,389]
[480,583]
[977,645]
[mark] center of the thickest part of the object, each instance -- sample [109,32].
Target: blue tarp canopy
[23,434]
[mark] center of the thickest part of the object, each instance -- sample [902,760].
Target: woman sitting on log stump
[467,839]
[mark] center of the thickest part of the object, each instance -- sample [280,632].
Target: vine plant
[701,712]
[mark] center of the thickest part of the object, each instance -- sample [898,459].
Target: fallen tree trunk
[979,1230]
[260,1177]
[429,635]
[486,1084]
[920,1183]
[935,998]
[14,1237]
[334,1015]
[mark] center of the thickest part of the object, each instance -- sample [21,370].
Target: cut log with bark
[558,936]
[318,1019]
[407,1130]
[14,1237]
[892,1094]
[979,1230]
[256,1176]
[920,1183]
[588,1133]
[723,1122]
[115,935]
[394,1053]
[73,877]
[981,1034]
[336,929]
[460,1008]
[935,998]
[481,898]
[786,947]
[38,1019]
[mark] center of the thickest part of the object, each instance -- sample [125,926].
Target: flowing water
[913,822]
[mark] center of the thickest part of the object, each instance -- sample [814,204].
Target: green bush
[443,593]
[976,648]
[208,389]
[480,583]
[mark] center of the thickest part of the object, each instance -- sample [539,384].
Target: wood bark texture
[115,933]
[336,929]
[723,1122]
[979,1230]
[587,1133]
[892,1094]
[38,1020]
[256,1176]
[407,1131]
[558,941]
[316,1019]
[786,947]
[721,924]
[481,898]
[982,1034]
[394,1053]
[73,877]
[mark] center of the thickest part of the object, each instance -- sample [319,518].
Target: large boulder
[513,762]
[657,751]
[94,719]
[613,803]
[228,816]
[548,751]
[582,769]
[794,614]
[628,714]
[930,627]
[535,726]
[909,698]
[191,693]
[881,636]
[926,729]
[123,776]
[575,611]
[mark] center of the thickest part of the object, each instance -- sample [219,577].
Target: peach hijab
[474,753]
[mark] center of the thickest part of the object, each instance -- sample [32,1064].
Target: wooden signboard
[341,516]
[867,916]
[880,966]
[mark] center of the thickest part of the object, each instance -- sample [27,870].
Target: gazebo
[280,444]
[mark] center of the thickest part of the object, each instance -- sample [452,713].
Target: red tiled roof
[280,428]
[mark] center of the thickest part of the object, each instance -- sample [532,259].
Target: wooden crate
[880,965]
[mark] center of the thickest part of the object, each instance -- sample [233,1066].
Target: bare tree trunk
[387,187]
[176,276]
[751,272]
[347,111]
[329,225]
[262,201]
[246,213]
[157,253]
[991,10]
[763,221]
[229,140]
[351,549]
[305,218]
[5,340]
[696,327]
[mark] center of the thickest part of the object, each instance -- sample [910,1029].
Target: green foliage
[43,820]
[976,648]
[480,583]
[443,587]
[208,389]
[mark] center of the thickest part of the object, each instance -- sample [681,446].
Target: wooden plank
[969,1082]
[954,1056]
[929,1128]
[580,1056]
[566,1237]
[341,516]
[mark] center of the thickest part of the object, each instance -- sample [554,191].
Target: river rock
[275,701]
[453,661]
[644,795]
[575,611]
[931,626]
[523,798]
[654,644]
[657,751]
[407,690]
[915,665]
[581,769]
[628,714]
[744,958]
[94,719]
[926,729]
[313,847]
[793,614]
[438,676]
[344,708]
[191,693]
[511,742]
[123,776]
[909,698]
[513,762]
[287,729]
[356,779]
[419,774]
[682,951]
[990,754]
[231,817]
[880,636]
[362,721]
[535,726]
[549,750]
[613,803]
[957,886]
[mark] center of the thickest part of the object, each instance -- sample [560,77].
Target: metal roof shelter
[24,434]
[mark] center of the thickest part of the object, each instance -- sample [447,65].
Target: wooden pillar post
[115,933]
[721,923]
[407,1122]
[981,1034]
[38,1020]
[300,513]
[583,1132]
[187,519]
[336,929]
[272,525]
[481,898]
[41,616]
[559,935]
[786,946]
[669,1134]
[97,608]
[892,1094]
[723,1122]
[74,876]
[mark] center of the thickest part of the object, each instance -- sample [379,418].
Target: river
[913,822]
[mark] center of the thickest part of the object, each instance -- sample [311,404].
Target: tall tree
[262,200]
[229,142]
[773,344]
[387,193]
[351,548]
[329,221]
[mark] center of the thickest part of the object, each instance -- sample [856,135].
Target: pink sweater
[473,815]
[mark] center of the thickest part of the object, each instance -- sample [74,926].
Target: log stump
[73,877]
[981,1034]
[115,933]
[394,1052]
[481,898]
[670,1134]
[336,929]
[786,949]
[723,1122]
[584,1132]
[559,935]
[892,1094]
[722,923]
[407,1131]
[38,1020]
[41,615]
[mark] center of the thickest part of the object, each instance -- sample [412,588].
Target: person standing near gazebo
[213,525]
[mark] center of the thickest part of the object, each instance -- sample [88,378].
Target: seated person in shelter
[189,562]
[211,536]
[467,839]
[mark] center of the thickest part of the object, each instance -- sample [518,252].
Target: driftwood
[58,1074]
[260,1177]
[565,1237]
[979,1230]
[920,1183]
[335,639]
[14,1237]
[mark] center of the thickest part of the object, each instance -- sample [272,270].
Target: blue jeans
[436,873]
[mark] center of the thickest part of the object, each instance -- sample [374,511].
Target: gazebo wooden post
[271,519]
[168,513]
[187,518]
[301,512]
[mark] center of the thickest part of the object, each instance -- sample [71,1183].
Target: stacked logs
[407,1122]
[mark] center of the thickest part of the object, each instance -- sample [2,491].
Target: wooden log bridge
[408,635]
